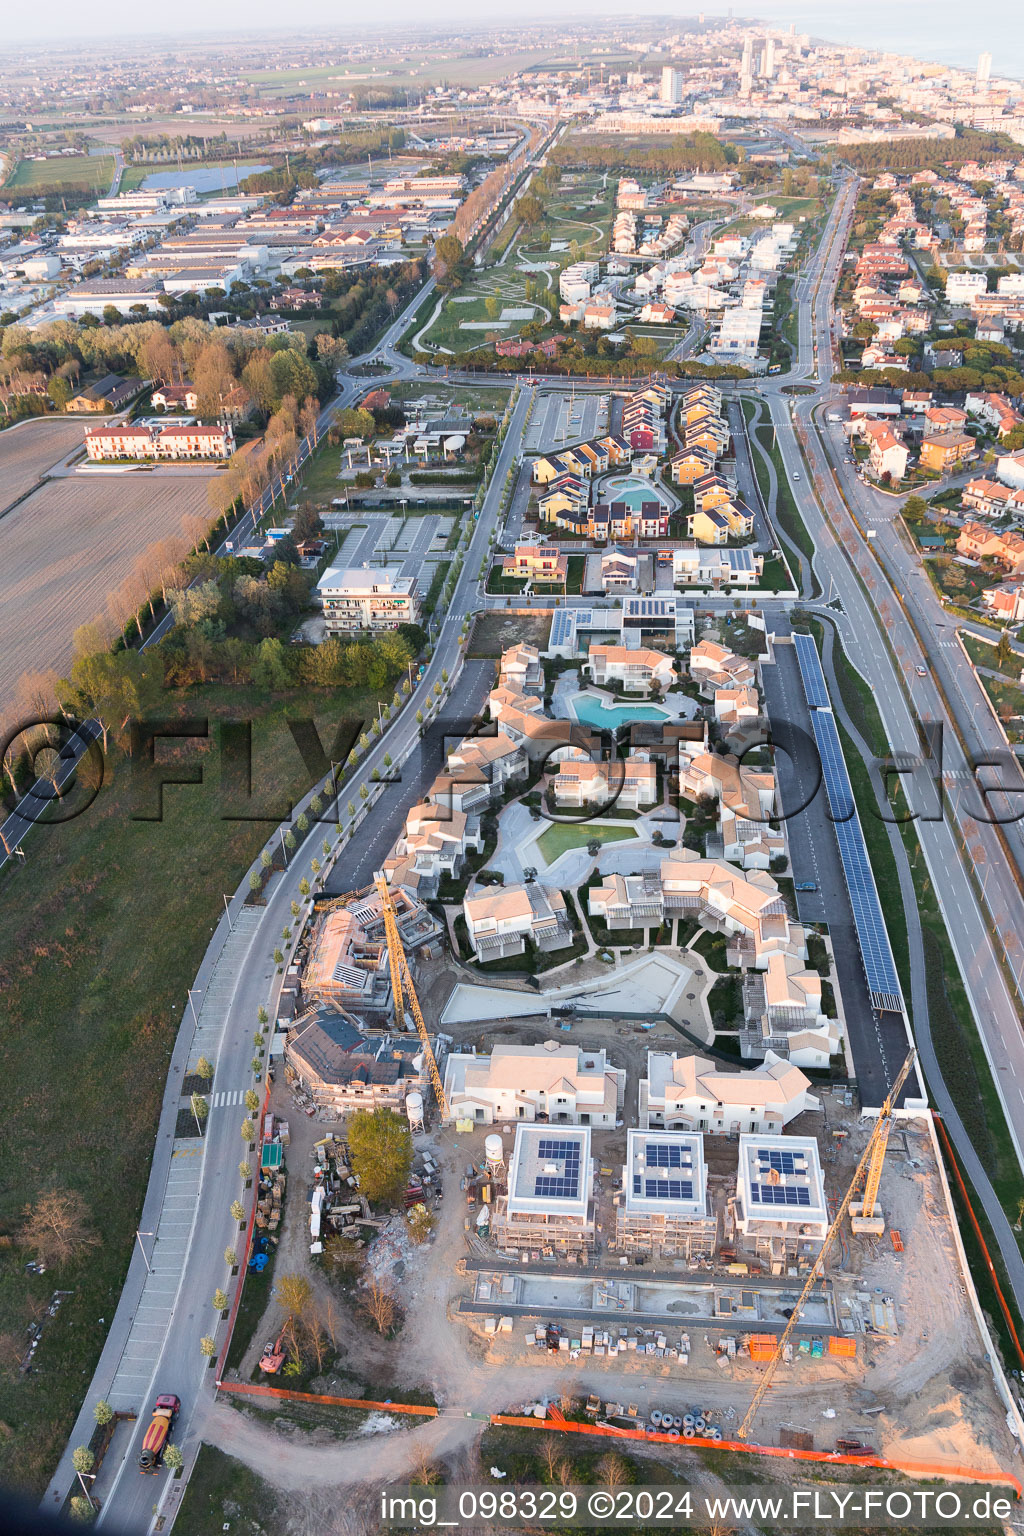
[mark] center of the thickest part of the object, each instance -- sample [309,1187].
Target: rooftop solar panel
[669,1189]
[780,1194]
[662,1155]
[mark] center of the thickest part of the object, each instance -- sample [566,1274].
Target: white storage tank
[414,1110]
[494,1152]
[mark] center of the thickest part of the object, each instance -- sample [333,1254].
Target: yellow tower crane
[871,1159]
[402,988]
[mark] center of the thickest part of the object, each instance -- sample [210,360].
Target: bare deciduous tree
[58,1227]
[379,1303]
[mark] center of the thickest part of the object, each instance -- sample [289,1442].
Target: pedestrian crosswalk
[227,1097]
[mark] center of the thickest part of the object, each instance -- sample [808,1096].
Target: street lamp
[191,1002]
[138,1237]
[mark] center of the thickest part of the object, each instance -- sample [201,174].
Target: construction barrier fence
[257,1389]
[916,1469]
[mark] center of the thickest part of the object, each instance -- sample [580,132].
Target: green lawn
[102,931]
[87,173]
[561,836]
[224,1493]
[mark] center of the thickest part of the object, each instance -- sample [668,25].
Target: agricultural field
[28,450]
[68,546]
[404,70]
[88,173]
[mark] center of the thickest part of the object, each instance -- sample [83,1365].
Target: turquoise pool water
[607,717]
[634,490]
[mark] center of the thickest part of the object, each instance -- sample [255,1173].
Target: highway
[951,848]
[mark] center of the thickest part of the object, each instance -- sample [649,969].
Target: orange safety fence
[978,1234]
[654,1436]
[257,1389]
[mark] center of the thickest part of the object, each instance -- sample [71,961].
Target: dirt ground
[67,547]
[27,451]
[936,1396]
[494,632]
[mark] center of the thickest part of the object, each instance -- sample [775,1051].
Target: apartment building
[628,785]
[721,520]
[501,919]
[496,759]
[781,1211]
[437,836]
[991,497]
[691,1093]
[943,451]
[558,1083]
[783,1012]
[635,671]
[366,598]
[136,440]
[887,456]
[549,1202]
[747,907]
[664,1208]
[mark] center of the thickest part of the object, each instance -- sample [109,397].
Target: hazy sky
[942,29]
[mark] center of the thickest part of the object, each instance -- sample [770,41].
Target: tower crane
[870,1163]
[402,987]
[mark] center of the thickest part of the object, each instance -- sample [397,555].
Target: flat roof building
[549,1203]
[664,1207]
[781,1210]
[367,599]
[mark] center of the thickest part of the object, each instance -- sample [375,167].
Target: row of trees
[677,152]
[928,154]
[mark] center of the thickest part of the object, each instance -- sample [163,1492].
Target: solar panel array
[563,627]
[663,1189]
[780,1194]
[564,1185]
[782,1162]
[875,950]
[659,1154]
[810,672]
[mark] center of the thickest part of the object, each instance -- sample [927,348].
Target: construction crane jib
[871,1157]
[402,988]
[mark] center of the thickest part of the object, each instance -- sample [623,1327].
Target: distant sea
[941,31]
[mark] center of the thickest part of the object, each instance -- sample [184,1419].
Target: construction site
[800,1286]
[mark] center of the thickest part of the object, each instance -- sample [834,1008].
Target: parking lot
[560,418]
[380,538]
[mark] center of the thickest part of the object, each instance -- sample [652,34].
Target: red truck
[165,1412]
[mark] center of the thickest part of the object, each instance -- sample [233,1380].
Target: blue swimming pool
[608,717]
[634,490]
